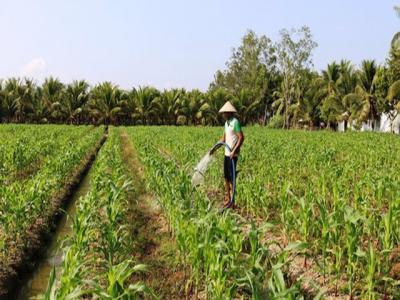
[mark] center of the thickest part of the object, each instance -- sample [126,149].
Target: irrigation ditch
[28,274]
[36,282]
[27,267]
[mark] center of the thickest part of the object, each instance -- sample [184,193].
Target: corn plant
[43,153]
[277,285]
[372,258]
[325,222]
[117,288]
[257,260]
[97,259]
[316,186]
[387,240]
[304,220]
[287,216]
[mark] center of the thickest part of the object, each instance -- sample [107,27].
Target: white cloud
[167,86]
[35,67]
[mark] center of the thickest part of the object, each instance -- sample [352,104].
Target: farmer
[233,137]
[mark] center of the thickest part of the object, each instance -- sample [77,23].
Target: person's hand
[232,154]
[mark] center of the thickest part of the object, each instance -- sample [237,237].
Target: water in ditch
[37,282]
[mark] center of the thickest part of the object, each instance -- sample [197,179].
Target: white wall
[380,126]
[385,124]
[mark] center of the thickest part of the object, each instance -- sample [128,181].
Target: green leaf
[296,246]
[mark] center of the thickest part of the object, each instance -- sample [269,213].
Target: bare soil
[151,233]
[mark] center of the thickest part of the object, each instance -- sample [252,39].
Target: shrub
[276,122]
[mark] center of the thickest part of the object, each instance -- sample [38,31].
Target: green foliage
[323,194]
[276,121]
[98,259]
[293,58]
[316,190]
[37,162]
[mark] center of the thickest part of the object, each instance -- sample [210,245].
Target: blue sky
[176,43]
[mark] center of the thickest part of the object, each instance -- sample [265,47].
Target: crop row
[24,149]
[336,193]
[98,259]
[26,205]
[222,253]
[331,198]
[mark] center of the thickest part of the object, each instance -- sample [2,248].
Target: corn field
[333,199]
[36,164]
[318,213]
[98,258]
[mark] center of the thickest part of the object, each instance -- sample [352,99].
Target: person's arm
[222,140]
[238,144]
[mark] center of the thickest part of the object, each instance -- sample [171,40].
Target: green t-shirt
[231,130]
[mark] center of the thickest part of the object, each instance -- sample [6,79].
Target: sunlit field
[317,213]
[331,197]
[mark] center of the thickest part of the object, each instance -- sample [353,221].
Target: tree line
[269,83]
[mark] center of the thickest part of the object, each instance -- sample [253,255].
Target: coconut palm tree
[394,95]
[248,103]
[11,94]
[170,104]
[331,77]
[215,99]
[241,101]
[395,43]
[105,103]
[148,105]
[331,107]
[76,96]
[266,97]
[394,102]
[291,109]
[52,94]
[394,55]
[23,93]
[279,103]
[308,106]
[366,89]
[40,109]
[340,81]
[129,107]
[351,108]
[191,103]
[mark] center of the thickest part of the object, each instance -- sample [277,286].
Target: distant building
[382,125]
[387,127]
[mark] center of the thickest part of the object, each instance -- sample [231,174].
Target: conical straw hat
[228,107]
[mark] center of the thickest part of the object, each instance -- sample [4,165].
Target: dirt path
[150,231]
